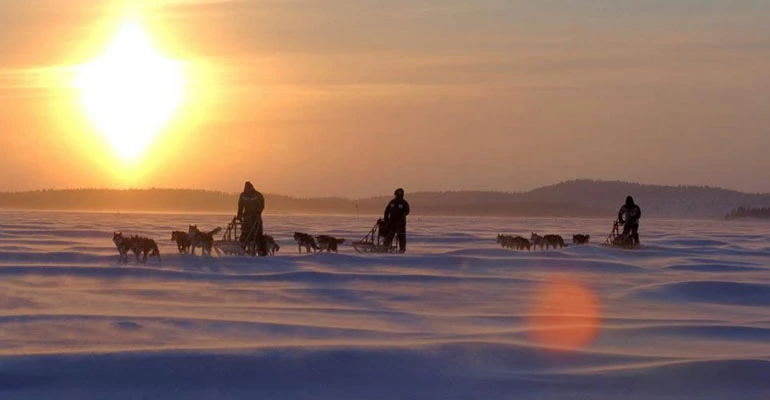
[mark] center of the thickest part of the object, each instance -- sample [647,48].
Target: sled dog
[182,241]
[580,239]
[204,240]
[329,243]
[306,241]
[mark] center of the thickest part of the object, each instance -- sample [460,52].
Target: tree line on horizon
[749,212]
[197,200]
[577,198]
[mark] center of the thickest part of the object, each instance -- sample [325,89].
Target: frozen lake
[458,317]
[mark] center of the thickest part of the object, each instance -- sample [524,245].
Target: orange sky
[355,97]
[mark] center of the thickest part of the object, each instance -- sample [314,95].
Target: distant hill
[655,200]
[578,198]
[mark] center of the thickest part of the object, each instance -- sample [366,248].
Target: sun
[131,92]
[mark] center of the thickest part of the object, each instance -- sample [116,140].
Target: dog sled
[230,244]
[617,239]
[376,241]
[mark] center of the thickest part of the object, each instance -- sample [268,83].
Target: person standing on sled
[629,216]
[395,219]
[251,203]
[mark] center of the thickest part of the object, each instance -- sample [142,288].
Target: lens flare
[565,314]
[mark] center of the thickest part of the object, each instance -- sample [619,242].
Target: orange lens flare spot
[565,314]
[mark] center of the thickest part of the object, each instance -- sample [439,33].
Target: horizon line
[3,192]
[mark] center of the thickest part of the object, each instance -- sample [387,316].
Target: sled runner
[230,243]
[375,240]
[618,239]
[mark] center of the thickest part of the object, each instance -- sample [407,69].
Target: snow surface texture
[458,317]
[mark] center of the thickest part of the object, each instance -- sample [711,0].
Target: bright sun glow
[131,92]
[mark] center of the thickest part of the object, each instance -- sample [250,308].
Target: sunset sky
[356,97]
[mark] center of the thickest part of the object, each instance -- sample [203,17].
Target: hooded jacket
[630,212]
[251,203]
[397,210]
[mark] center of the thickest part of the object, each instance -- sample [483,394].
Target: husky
[137,245]
[124,244]
[204,240]
[329,243]
[306,241]
[580,239]
[502,239]
[271,246]
[506,241]
[182,241]
[521,243]
[513,242]
[553,241]
[143,245]
[537,240]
